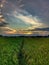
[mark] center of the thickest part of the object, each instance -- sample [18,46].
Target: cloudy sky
[25,14]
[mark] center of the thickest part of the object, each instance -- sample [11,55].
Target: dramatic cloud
[25,14]
[29,19]
[39,8]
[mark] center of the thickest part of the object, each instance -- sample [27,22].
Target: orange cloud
[8,30]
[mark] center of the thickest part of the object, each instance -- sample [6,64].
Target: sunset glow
[24,16]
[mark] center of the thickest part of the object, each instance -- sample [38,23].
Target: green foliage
[24,51]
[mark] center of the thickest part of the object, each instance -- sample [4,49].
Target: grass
[24,51]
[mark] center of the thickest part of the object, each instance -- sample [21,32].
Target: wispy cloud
[25,14]
[7,30]
[28,19]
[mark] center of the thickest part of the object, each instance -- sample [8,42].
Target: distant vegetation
[24,51]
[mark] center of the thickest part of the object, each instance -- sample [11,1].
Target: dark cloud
[38,9]
[2,24]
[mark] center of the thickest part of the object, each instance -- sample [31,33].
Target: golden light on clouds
[1,16]
[11,32]
[8,30]
[29,33]
[1,5]
[28,20]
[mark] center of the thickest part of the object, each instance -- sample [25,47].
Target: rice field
[24,51]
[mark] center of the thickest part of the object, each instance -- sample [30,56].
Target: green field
[24,51]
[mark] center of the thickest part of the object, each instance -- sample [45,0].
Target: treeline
[24,36]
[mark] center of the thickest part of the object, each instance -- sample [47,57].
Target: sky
[25,15]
